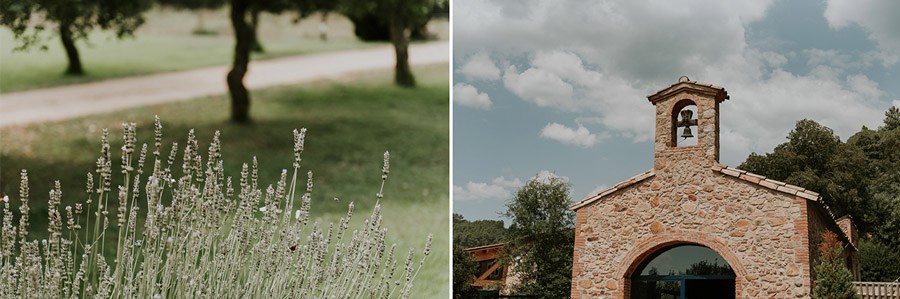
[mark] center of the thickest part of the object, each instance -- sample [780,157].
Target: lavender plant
[199,237]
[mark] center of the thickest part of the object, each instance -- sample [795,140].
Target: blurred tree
[199,7]
[245,36]
[372,27]
[542,237]
[73,20]
[401,17]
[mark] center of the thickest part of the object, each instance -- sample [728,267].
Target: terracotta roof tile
[630,181]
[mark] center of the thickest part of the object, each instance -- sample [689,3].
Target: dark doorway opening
[681,272]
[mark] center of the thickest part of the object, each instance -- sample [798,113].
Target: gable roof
[623,185]
[684,83]
[749,177]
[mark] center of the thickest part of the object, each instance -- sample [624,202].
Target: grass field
[165,43]
[351,123]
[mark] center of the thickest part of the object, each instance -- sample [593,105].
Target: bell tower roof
[685,84]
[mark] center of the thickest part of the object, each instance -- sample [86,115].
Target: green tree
[401,17]
[477,233]
[833,279]
[542,237]
[72,20]
[816,159]
[241,12]
[877,261]
[468,234]
[464,270]
[892,118]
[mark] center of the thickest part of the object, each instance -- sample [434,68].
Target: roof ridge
[621,185]
[767,182]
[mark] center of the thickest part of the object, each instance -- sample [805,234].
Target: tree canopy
[542,237]
[72,20]
[467,234]
[401,17]
[859,177]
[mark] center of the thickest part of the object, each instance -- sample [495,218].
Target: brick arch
[645,249]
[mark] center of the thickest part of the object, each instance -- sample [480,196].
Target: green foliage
[833,280]
[542,237]
[892,118]
[860,177]
[877,261]
[193,4]
[464,270]
[468,234]
[401,18]
[814,158]
[477,233]
[73,20]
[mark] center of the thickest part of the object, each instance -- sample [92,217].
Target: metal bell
[687,132]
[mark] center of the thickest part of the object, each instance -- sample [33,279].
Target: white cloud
[545,175]
[644,39]
[561,80]
[580,136]
[498,189]
[467,95]
[480,67]
[763,110]
[540,87]
[596,190]
[834,58]
[597,61]
[877,17]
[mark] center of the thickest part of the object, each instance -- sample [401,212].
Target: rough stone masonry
[766,230]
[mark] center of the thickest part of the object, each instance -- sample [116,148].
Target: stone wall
[755,229]
[820,221]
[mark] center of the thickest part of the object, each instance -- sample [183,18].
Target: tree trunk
[243,34]
[402,74]
[254,20]
[74,68]
[201,22]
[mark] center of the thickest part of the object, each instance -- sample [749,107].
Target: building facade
[694,227]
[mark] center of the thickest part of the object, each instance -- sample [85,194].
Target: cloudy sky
[559,87]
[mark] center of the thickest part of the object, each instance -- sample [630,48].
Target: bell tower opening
[684,123]
[687,124]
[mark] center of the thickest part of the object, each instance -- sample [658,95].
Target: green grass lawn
[351,123]
[165,43]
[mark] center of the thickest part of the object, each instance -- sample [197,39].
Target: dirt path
[70,101]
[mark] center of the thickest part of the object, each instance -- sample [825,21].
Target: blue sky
[559,87]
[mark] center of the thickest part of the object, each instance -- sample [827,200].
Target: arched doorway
[683,271]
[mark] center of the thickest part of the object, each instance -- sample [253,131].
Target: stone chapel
[694,228]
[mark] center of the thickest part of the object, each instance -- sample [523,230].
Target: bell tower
[687,124]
